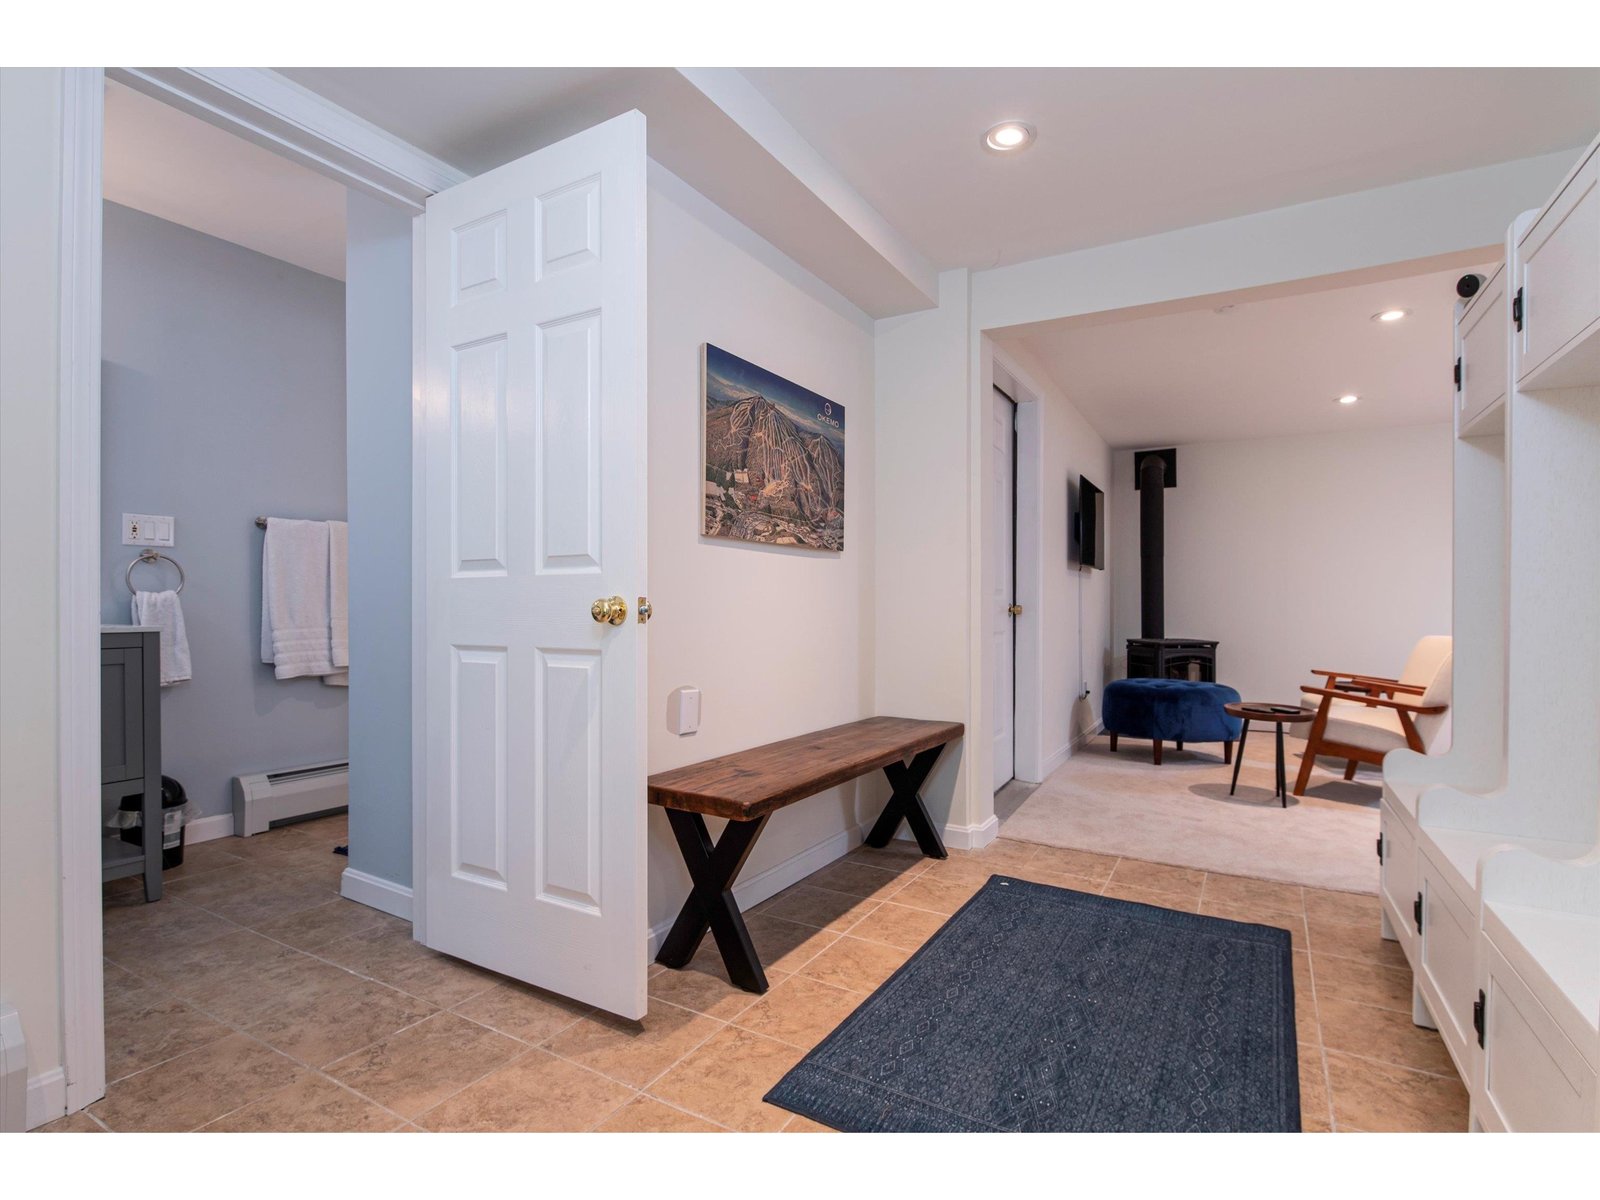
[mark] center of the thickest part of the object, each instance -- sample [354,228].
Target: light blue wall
[378,348]
[223,398]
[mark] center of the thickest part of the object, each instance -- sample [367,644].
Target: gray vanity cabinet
[130,748]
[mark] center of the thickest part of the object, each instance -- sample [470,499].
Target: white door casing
[534,477]
[1002,581]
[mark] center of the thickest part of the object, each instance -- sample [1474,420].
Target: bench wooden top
[753,783]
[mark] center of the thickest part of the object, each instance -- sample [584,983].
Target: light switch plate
[683,711]
[142,529]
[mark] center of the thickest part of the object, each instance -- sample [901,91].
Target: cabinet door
[1398,882]
[1485,347]
[1560,281]
[121,714]
[1449,969]
[1534,1079]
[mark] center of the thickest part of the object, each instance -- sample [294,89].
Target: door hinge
[1516,310]
[1458,374]
[1477,1016]
[1380,847]
[1416,911]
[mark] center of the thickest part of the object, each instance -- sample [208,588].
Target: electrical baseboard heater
[262,801]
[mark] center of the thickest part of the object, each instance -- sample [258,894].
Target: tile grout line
[1322,1044]
[315,1071]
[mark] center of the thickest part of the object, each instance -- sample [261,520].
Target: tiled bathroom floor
[254,998]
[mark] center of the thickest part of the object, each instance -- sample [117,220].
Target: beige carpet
[1180,813]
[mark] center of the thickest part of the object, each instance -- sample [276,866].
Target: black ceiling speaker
[1467,286]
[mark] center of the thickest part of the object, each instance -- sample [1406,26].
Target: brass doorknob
[1014,609]
[609,611]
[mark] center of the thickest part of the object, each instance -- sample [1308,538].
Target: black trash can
[172,797]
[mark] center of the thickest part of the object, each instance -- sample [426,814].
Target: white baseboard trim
[47,1097]
[751,892]
[972,837]
[1055,762]
[208,829]
[381,894]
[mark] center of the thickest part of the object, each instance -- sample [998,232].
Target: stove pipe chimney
[1152,484]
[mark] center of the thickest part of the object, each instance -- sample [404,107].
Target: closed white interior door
[1002,581]
[533,475]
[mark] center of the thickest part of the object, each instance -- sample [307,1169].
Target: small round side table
[1280,715]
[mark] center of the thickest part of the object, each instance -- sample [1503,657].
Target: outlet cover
[142,529]
[683,711]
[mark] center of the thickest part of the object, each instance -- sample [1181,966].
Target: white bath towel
[295,621]
[162,610]
[339,593]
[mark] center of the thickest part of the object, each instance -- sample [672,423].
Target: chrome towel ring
[150,556]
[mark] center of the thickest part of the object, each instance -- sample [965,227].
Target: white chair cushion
[1355,724]
[1427,656]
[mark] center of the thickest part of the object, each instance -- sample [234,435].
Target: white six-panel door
[533,475]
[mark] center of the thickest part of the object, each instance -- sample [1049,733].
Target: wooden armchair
[1360,718]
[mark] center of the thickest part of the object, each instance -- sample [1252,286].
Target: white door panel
[534,470]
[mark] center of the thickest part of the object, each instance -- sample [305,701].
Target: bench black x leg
[711,904]
[907,805]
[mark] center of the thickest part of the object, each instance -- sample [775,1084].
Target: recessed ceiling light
[1391,314]
[1009,135]
[1349,398]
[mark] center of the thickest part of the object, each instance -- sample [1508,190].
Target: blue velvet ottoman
[1170,710]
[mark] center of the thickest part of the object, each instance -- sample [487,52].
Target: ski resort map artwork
[774,457]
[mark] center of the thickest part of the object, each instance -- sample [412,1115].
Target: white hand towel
[295,625]
[162,610]
[339,593]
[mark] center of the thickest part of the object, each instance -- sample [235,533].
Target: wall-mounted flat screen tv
[1091,525]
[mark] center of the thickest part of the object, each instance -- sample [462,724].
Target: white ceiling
[474,118]
[1122,153]
[1264,368]
[177,167]
[478,118]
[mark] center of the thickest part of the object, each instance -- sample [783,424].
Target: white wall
[924,576]
[778,639]
[222,398]
[30,887]
[1323,551]
[1075,614]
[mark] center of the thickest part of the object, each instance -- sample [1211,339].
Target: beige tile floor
[253,998]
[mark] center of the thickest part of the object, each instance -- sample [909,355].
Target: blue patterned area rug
[1040,1009]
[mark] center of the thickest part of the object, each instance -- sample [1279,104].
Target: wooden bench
[748,787]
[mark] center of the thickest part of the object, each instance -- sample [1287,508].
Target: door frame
[1027,533]
[1010,551]
[265,108]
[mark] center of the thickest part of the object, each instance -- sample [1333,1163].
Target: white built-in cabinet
[1558,281]
[1482,350]
[1491,851]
